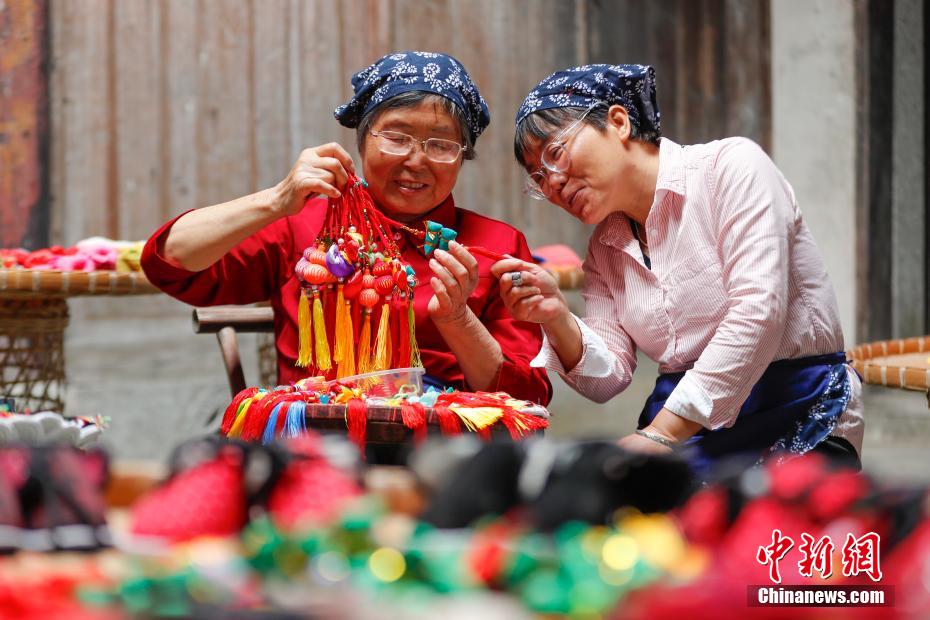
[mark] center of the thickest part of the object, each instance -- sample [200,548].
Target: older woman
[700,259]
[417,115]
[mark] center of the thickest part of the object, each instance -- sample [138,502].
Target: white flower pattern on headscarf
[409,71]
[632,86]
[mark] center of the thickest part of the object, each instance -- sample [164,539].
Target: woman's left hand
[456,278]
[644,445]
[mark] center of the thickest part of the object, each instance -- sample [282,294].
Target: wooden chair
[226,322]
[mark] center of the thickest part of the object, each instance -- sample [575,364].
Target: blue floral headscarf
[408,71]
[632,86]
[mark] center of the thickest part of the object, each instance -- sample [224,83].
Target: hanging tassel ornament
[323,360]
[381,360]
[339,266]
[345,330]
[384,285]
[305,331]
[403,346]
[335,332]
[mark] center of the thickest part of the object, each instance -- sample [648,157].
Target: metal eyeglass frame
[411,142]
[534,188]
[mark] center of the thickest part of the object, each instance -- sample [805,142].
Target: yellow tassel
[477,418]
[347,365]
[382,358]
[339,345]
[415,361]
[241,415]
[323,361]
[364,345]
[305,329]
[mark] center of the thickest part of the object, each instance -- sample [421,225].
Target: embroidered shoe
[208,499]
[311,489]
[14,467]
[214,483]
[60,492]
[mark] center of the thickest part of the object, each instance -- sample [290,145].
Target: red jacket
[262,268]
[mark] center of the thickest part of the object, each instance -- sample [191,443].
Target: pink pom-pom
[104,257]
[102,252]
[74,262]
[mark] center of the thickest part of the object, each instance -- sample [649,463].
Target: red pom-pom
[317,257]
[384,285]
[369,298]
[316,274]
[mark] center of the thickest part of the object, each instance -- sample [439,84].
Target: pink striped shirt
[736,283]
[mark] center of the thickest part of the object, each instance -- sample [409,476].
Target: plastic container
[389,382]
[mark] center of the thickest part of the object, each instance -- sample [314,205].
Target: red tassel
[485,433]
[282,418]
[533,422]
[414,417]
[449,423]
[356,420]
[510,424]
[282,415]
[403,338]
[530,423]
[257,418]
[357,323]
[229,416]
[255,424]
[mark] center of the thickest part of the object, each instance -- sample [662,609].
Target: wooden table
[33,319]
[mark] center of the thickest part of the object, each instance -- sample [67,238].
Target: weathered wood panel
[711,59]
[180,105]
[224,128]
[137,116]
[83,121]
[271,153]
[23,123]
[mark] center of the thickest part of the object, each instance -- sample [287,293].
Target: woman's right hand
[319,170]
[536,297]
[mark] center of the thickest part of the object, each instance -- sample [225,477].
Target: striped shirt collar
[615,229]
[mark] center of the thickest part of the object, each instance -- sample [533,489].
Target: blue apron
[793,407]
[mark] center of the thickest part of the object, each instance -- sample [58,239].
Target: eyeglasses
[436,149]
[554,158]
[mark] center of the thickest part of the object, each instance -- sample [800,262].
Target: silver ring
[516,278]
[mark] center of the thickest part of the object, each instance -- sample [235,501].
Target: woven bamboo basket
[902,363]
[33,318]
[32,368]
[24,283]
